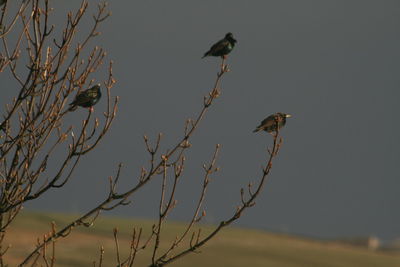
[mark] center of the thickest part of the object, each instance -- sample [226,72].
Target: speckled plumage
[87,98]
[222,47]
[273,122]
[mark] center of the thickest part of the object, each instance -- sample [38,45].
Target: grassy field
[233,247]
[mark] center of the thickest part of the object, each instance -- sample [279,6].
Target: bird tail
[206,54]
[72,107]
[256,130]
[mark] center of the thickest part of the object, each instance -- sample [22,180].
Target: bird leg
[223,65]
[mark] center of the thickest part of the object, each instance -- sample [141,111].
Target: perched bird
[222,47]
[273,122]
[87,98]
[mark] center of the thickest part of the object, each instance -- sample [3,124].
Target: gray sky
[333,65]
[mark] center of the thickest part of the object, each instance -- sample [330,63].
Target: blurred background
[333,65]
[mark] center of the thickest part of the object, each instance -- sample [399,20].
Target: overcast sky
[333,65]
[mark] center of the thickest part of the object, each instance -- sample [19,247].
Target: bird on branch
[87,98]
[222,47]
[273,122]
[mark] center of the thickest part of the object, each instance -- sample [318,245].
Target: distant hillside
[234,247]
[392,246]
[370,242]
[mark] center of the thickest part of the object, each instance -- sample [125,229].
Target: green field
[233,247]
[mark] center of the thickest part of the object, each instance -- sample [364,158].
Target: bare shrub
[49,66]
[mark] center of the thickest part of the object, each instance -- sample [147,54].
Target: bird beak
[288,115]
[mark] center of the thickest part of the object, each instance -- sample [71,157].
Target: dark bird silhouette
[87,98]
[273,122]
[222,47]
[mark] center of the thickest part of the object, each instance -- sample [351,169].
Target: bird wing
[219,46]
[268,122]
[84,97]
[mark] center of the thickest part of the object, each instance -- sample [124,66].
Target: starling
[87,98]
[272,122]
[222,47]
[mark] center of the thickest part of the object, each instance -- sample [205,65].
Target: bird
[222,47]
[87,98]
[273,122]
